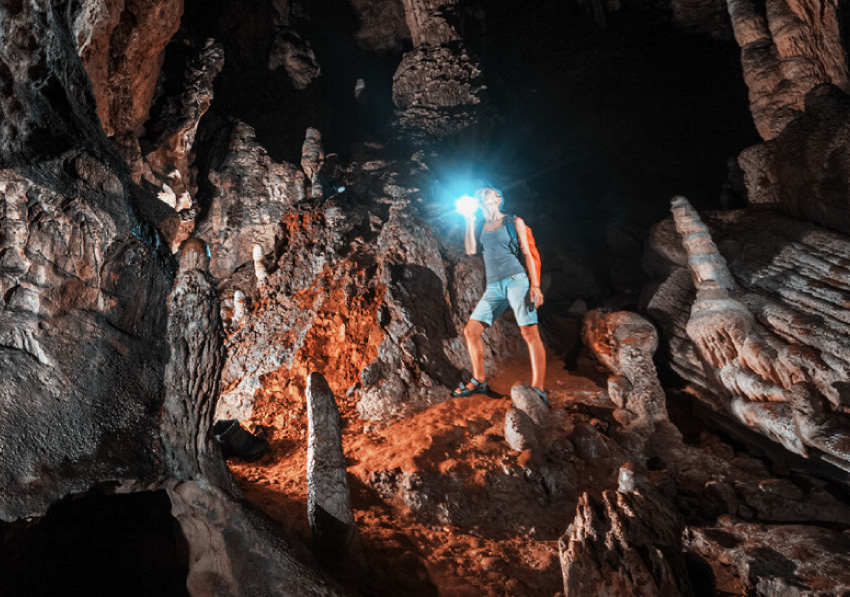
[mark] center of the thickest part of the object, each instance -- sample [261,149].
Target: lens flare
[466,205]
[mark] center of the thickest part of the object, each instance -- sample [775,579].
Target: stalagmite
[312,158]
[238,306]
[192,376]
[328,499]
[628,546]
[624,342]
[260,265]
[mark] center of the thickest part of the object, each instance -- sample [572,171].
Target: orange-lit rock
[121,45]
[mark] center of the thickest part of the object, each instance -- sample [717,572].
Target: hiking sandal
[544,396]
[462,391]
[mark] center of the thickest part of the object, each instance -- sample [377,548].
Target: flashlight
[466,205]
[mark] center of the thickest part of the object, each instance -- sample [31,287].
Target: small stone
[529,401]
[520,430]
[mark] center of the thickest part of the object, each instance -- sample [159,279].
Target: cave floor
[461,439]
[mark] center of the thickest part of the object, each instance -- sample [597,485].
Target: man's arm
[469,240]
[522,235]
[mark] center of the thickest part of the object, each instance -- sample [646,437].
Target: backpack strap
[510,224]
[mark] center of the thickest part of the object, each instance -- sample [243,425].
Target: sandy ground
[460,437]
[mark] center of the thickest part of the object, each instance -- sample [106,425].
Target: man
[510,281]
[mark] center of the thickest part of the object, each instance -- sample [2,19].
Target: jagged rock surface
[193,372]
[805,171]
[174,124]
[250,197]
[122,45]
[83,315]
[631,545]
[787,48]
[625,343]
[757,559]
[373,291]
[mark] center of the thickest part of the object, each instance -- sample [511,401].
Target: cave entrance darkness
[97,544]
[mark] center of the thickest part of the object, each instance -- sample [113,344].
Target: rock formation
[329,501]
[787,48]
[437,81]
[631,545]
[122,46]
[803,171]
[746,348]
[250,196]
[625,342]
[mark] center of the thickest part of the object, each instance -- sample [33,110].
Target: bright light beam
[466,205]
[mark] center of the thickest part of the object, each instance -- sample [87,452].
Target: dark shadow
[97,545]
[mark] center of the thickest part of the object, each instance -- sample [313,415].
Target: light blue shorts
[511,291]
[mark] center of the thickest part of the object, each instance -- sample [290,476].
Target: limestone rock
[195,336]
[529,402]
[804,171]
[328,498]
[787,48]
[295,56]
[171,132]
[774,559]
[382,25]
[628,545]
[251,194]
[44,92]
[235,551]
[520,430]
[756,352]
[625,342]
[122,45]
[437,77]
[85,318]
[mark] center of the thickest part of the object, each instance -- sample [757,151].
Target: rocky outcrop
[773,559]
[383,27]
[44,93]
[768,349]
[251,193]
[170,135]
[787,48]
[630,545]
[82,322]
[805,171]
[625,343]
[437,82]
[122,45]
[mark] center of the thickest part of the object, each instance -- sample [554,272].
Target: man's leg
[472,332]
[538,355]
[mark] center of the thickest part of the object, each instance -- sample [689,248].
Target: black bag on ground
[235,440]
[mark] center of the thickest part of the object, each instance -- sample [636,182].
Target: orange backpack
[510,219]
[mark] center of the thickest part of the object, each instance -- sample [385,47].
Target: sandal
[544,396]
[462,391]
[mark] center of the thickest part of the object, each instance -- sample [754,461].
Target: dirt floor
[460,438]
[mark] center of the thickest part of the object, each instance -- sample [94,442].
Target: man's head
[490,198]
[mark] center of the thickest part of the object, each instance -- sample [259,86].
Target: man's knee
[529,332]
[473,329]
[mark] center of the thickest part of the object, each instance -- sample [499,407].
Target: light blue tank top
[500,262]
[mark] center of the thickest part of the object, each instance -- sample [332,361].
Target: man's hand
[536,296]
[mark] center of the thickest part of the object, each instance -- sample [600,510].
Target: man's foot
[473,387]
[544,396]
